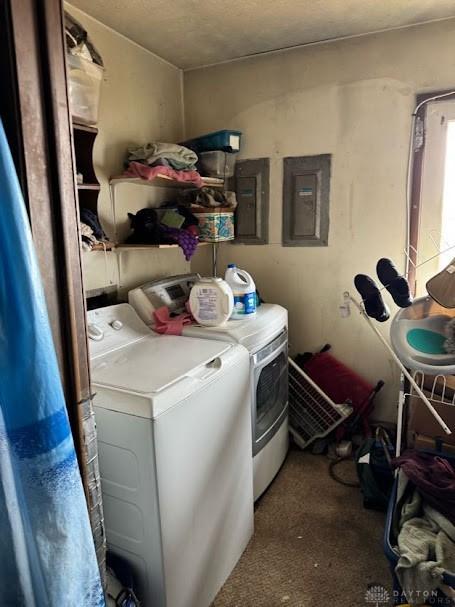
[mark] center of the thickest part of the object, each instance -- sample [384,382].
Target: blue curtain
[47,556]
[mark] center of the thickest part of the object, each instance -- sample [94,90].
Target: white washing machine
[174,436]
[265,337]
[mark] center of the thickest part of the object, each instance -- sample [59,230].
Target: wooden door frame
[38,127]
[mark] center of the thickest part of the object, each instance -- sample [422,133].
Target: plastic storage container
[217,163]
[211,301]
[227,141]
[215,226]
[244,291]
[84,86]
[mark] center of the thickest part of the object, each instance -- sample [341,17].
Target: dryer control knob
[117,324]
[94,332]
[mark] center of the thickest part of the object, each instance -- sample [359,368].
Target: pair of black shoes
[395,284]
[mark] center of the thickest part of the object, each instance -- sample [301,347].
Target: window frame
[416,179]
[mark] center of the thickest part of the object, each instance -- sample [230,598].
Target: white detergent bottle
[211,301]
[244,291]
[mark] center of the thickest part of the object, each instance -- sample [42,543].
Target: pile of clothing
[164,159]
[425,525]
[91,231]
[208,198]
[149,228]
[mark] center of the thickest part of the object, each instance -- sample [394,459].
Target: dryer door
[270,390]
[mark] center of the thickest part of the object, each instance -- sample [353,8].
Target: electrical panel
[306,197]
[251,185]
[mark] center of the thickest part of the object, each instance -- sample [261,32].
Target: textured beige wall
[352,99]
[141,101]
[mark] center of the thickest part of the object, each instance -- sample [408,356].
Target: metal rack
[312,414]
[161,183]
[348,299]
[439,384]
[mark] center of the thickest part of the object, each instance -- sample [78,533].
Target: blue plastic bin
[391,550]
[227,141]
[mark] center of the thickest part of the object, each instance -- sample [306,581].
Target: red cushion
[338,381]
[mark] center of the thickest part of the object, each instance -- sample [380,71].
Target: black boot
[395,284]
[372,299]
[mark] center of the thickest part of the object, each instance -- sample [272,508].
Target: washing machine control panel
[172,292]
[113,327]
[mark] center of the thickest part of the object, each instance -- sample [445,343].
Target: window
[448,199]
[436,212]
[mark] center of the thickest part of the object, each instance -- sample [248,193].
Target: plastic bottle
[244,291]
[211,301]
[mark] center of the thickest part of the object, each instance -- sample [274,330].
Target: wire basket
[420,429]
[440,388]
[312,414]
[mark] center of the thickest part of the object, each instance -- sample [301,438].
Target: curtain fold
[47,554]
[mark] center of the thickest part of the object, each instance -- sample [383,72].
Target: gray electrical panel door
[251,185]
[306,196]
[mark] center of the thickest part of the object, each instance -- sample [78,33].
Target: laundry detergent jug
[211,301]
[244,291]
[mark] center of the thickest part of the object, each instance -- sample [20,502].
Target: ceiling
[192,33]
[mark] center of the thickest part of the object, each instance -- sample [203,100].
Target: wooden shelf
[79,126]
[110,246]
[162,181]
[157,182]
[145,247]
[100,247]
[87,192]
[89,186]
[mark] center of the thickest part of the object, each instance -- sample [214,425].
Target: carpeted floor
[314,545]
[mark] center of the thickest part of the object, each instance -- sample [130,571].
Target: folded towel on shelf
[167,154]
[136,169]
